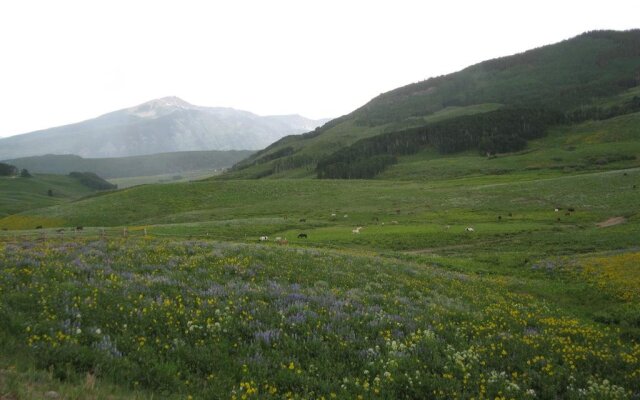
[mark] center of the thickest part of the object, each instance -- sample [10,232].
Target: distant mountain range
[164,125]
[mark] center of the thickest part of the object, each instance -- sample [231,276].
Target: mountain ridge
[161,125]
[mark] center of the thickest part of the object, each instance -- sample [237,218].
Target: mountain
[120,167]
[495,106]
[164,125]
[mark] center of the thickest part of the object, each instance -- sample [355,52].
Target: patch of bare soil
[611,222]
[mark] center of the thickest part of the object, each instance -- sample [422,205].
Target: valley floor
[531,303]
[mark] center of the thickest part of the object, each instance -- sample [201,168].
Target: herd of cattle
[357,230]
[302,235]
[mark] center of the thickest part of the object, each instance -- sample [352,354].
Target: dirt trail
[611,222]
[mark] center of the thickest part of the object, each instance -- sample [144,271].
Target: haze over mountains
[163,125]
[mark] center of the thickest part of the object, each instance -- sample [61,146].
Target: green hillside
[493,254]
[19,194]
[120,167]
[594,76]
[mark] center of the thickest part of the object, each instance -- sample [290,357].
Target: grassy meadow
[534,303]
[20,194]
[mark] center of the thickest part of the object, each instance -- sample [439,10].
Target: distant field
[175,163]
[164,178]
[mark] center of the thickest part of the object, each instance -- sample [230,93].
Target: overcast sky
[65,61]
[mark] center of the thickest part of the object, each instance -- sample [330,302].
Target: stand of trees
[502,130]
[93,181]
[8,170]
[600,113]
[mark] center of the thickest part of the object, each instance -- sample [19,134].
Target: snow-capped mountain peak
[159,107]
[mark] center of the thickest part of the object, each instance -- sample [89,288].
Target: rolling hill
[495,106]
[121,167]
[163,125]
[41,190]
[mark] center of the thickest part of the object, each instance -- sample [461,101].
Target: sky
[66,61]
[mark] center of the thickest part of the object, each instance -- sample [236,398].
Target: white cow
[264,238]
[469,229]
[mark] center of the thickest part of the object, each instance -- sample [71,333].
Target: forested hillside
[593,76]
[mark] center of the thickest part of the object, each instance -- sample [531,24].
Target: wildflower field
[533,303]
[204,319]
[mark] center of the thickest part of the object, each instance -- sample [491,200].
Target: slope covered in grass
[595,69]
[19,194]
[592,145]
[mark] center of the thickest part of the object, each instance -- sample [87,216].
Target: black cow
[302,236]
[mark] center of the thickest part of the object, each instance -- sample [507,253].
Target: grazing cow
[302,236]
[469,229]
[556,209]
[282,242]
[333,215]
[79,228]
[39,227]
[357,230]
[303,220]
[264,238]
[346,215]
[571,209]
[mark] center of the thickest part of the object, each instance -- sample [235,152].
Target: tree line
[12,170]
[502,130]
[599,113]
